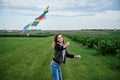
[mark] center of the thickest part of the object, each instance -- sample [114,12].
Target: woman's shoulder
[58,47]
[57,44]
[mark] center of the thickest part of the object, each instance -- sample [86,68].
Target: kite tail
[37,20]
[26,27]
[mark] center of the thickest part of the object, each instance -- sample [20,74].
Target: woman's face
[60,38]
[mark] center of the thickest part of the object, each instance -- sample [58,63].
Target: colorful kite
[37,20]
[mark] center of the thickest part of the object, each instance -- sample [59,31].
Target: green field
[28,58]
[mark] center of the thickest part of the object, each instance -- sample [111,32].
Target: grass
[25,58]
[28,58]
[90,67]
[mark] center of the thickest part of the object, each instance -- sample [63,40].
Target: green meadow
[28,58]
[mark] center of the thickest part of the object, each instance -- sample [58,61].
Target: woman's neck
[61,43]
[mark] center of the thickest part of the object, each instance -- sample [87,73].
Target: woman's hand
[77,56]
[67,44]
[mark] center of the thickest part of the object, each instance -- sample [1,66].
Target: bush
[104,44]
[118,53]
[105,47]
[91,42]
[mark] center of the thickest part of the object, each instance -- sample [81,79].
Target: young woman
[60,54]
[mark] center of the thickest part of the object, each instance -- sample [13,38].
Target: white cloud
[113,12]
[59,7]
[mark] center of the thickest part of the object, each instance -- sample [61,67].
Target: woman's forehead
[60,35]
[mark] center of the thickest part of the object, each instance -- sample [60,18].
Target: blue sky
[62,15]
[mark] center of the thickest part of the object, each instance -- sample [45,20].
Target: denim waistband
[53,62]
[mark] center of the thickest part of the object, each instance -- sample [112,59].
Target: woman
[60,54]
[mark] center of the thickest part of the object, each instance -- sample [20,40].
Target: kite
[37,20]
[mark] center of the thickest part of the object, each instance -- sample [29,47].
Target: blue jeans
[56,71]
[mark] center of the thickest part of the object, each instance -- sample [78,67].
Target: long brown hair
[55,40]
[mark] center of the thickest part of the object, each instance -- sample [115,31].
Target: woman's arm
[72,56]
[69,55]
[59,47]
